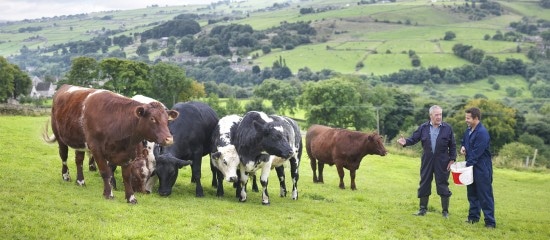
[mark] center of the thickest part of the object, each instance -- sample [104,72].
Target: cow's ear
[172,115]
[258,126]
[145,152]
[140,111]
[215,155]
[182,163]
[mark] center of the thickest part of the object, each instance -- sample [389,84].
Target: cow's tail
[48,138]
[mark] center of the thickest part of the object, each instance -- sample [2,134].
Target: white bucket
[462,175]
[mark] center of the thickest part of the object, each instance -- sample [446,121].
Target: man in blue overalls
[439,152]
[475,144]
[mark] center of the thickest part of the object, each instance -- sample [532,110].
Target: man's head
[436,115]
[473,116]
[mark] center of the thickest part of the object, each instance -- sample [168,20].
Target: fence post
[527,162]
[534,157]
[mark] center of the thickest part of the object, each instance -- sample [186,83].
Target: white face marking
[265,117]
[145,99]
[279,128]
[151,161]
[76,88]
[228,161]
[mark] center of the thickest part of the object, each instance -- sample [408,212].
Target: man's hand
[402,140]
[463,150]
[449,165]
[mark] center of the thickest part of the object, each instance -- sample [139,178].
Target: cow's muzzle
[168,141]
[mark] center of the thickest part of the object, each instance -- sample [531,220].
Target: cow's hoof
[93,168]
[265,203]
[81,183]
[132,200]
[242,200]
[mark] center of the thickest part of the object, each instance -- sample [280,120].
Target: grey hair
[434,107]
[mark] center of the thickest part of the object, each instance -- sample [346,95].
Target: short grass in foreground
[36,204]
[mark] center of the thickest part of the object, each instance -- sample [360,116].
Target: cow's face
[167,168]
[273,140]
[153,122]
[226,160]
[376,143]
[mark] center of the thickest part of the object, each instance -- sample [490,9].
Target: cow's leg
[241,190]
[106,173]
[79,159]
[215,175]
[294,174]
[150,183]
[321,166]
[196,174]
[254,183]
[313,164]
[266,169]
[63,154]
[127,180]
[91,163]
[113,179]
[352,176]
[341,174]
[219,182]
[281,176]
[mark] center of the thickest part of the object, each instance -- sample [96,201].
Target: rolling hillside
[376,34]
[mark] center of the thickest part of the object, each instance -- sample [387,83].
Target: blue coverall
[434,162]
[480,192]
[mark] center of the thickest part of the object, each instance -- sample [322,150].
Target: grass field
[36,204]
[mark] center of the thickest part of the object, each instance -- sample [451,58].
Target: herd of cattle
[149,142]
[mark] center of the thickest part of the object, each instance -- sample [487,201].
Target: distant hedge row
[23,110]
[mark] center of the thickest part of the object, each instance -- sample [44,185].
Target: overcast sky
[14,10]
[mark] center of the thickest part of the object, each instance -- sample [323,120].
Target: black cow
[192,140]
[260,139]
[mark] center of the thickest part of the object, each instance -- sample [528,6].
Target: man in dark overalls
[475,144]
[439,152]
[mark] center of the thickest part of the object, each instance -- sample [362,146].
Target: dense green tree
[168,82]
[14,82]
[257,104]
[449,35]
[123,41]
[233,106]
[176,28]
[336,102]
[282,94]
[143,49]
[499,119]
[126,77]
[214,102]
[84,72]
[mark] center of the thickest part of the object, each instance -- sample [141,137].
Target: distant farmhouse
[42,89]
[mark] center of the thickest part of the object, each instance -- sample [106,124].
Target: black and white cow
[192,140]
[261,141]
[224,157]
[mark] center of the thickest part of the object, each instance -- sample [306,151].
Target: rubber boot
[423,206]
[445,206]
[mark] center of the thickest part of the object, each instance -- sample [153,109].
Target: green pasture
[527,8]
[316,57]
[36,203]
[477,87]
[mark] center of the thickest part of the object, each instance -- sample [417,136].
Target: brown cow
[342,147]
[108,125]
